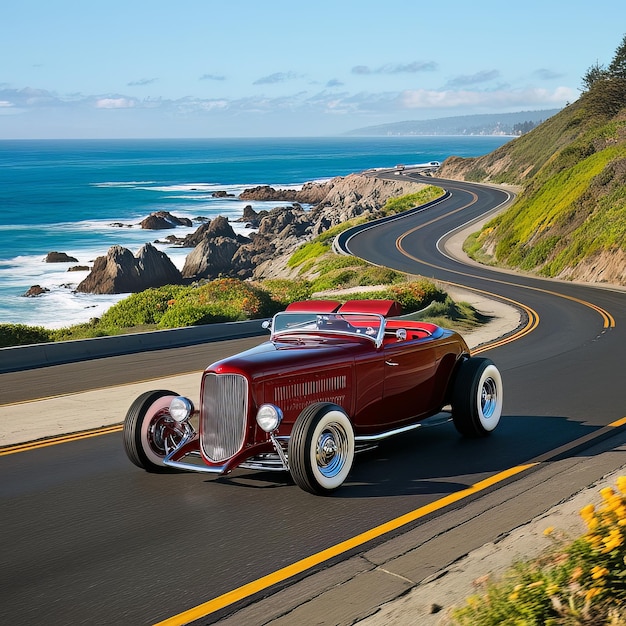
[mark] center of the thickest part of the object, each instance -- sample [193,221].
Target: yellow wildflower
[621,484]
[592,592]
[537,583]
[548,531]
[607,493]
[598,572]
[587,511]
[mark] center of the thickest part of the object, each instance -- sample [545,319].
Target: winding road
[87,538]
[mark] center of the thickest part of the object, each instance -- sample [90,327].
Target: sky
[272,68]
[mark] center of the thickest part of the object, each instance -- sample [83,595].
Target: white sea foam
[61,305]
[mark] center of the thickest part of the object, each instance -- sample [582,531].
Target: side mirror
[401,334]
[266,324]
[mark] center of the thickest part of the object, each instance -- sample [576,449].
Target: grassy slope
[573,172]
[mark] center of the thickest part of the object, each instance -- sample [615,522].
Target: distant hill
[487,124]
[569,221]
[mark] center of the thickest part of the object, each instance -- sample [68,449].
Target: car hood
[279,358]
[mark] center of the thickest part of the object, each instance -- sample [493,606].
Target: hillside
[569,221]
[482,124]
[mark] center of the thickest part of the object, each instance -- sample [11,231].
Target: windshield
[369,325]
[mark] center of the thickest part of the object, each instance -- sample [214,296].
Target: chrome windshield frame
[312,323]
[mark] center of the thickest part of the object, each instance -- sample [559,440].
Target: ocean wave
[123,183]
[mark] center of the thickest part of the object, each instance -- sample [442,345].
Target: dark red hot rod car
[332,379]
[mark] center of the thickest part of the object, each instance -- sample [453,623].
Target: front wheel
[150,433]
[321,448]
[477,397]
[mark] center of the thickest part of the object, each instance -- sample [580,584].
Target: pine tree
[593,75]
[617,68]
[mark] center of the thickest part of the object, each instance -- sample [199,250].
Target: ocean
[83,196]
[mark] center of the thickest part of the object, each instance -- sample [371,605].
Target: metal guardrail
[17,358]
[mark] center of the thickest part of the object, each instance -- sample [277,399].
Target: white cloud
[426,99]
[115,103]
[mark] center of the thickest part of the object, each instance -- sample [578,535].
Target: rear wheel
[150,433]
[477,397]
[321,448]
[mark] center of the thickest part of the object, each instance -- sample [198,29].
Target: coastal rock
[35,290]
[265,193]
[211,258]
[59,257]
[222,194]
[161,220]
[310,193]
[219,227]
[78,268]
[252,218]
[121,272]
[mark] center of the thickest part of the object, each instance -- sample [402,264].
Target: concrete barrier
[40,355]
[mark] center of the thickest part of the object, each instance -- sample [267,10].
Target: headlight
[181,409]
[268,417]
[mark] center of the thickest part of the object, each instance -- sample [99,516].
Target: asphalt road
[88,538]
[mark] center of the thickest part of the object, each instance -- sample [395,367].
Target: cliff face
[567,221]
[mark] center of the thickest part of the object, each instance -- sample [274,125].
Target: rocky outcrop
[283,229]
[265,193]
[121,272]
[219,227]
[59,257]
[252,218]
[211,258]
[219,251]
[35,290]
[310,193]
[161,220]
[215,243]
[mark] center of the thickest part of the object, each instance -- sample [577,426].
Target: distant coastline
[488,124]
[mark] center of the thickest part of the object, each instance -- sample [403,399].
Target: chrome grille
[223,415]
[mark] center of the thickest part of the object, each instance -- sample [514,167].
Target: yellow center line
[607,319]
[53,441]
[245,591]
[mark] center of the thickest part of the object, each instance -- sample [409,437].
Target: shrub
[194,315]
[21,335]
[284,291]
[146,307]
[411,200]
[415,295]
[221,300]
[581,582]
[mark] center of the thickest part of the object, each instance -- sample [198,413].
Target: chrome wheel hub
[488,397]
[331,450]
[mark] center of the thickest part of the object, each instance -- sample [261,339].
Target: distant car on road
[333,379]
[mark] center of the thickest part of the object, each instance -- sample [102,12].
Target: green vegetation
[411,200]
[229,300]
[21,335]
[572,168]
[307,254]
[581,582]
